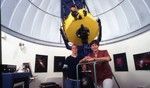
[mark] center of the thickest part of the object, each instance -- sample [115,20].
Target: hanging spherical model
[72,24]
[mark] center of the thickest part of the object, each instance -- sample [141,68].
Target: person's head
[73,8]
[94,45]
[74,49]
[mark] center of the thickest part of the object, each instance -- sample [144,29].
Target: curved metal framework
[43,10]
[60,43]
[94,16]
[53,44]
[110,9]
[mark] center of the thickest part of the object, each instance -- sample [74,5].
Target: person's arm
[86,59]
[65,68]
[90,59]
[107,58]
[65,39]
[100,30]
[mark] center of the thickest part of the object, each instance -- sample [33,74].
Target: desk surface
[10,78]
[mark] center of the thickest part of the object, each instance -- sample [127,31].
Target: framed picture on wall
[120,62]
[58,63]
[41,63]
[142,61]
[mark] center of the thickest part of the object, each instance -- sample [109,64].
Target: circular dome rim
[54,44]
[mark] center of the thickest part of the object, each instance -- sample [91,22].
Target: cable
[116,81]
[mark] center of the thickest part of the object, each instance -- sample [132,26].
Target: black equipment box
[8,68]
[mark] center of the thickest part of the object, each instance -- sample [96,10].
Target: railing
[95,77]
[94,66]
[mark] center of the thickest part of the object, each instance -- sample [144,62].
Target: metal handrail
[94,65]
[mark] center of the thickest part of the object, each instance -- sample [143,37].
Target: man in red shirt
[103,70]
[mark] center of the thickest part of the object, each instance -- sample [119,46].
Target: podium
[10,80]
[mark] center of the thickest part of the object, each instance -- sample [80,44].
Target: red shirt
[103,69]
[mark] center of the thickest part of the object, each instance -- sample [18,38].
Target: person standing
[103,70]
[70,68]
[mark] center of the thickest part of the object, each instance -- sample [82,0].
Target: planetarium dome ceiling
[39,21]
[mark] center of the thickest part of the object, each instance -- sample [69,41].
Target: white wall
[132,78]
[12,54]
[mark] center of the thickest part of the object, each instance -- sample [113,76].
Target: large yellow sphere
[71,26]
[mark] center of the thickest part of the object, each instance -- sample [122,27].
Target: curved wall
[12,54]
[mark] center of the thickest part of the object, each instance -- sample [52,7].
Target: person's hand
[82,60]
[88,58]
